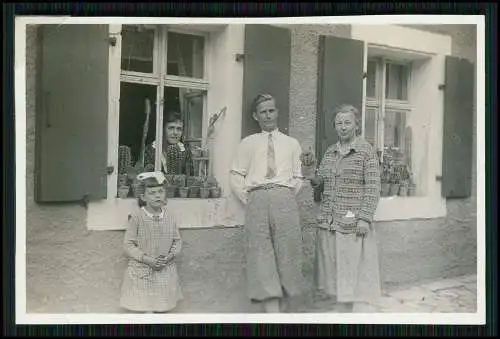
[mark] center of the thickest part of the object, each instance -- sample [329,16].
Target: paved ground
[457,295]
[72,270]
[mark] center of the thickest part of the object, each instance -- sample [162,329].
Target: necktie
[271,162]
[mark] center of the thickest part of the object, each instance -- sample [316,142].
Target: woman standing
[346,249]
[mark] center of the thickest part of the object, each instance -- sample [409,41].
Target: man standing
[266,175]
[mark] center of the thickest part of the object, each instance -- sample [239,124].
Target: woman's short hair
[260,99]
[347,108]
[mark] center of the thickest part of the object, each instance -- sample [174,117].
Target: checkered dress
[145,289]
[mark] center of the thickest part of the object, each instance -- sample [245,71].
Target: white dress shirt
[249,166]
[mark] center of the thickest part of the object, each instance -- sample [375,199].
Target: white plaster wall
[403,38]
[428,101]
[226,89]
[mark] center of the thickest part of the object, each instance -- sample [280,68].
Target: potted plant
[123,179]
[211,181]
[124,159]
[205,153]
[192,181]
[149,168]
[194,187]
[197,152]
[403,188]
[405,181]
[170,187]
[169,178]
[123,191]
[215,192]
[183,191]
[385,185]
[205,190]
[395,179]
[132,173]
[179,180]
[412,188]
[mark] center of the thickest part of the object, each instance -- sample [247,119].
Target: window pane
[137,49]
[398,169]
[371,126]
[394,125]
[185,55]
[371,80]
[132,140]
[189,103]
[396,78]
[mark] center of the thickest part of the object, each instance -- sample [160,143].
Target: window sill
[404,208]
[112,214]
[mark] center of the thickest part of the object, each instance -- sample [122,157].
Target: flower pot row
[174,191]
[395,189]
[200,153]
[136,189]
[193,192]
[176,185]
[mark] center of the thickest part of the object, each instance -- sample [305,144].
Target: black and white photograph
[280,170]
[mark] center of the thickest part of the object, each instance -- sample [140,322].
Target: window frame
[427,52]
[155,55]
[380,103]
[111,213]
[162,80]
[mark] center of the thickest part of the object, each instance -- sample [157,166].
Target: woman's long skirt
[347,266]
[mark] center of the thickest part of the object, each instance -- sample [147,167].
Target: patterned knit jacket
[350,186]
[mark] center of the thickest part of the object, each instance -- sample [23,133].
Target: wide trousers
[273,244]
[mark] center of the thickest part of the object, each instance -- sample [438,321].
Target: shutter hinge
[85,201]
[442,86]
[439,178]
[239,57]
[110,169]
[112,41]
[365,75]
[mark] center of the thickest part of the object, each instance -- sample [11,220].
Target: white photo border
[303,318]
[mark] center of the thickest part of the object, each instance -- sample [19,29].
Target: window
[162,71]
[386,126]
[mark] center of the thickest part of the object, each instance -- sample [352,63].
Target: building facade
[415,85]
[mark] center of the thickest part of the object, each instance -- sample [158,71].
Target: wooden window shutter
[266,70]
[458,124]
[340,81]
[72,113]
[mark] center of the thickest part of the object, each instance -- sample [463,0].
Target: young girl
[152,241]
